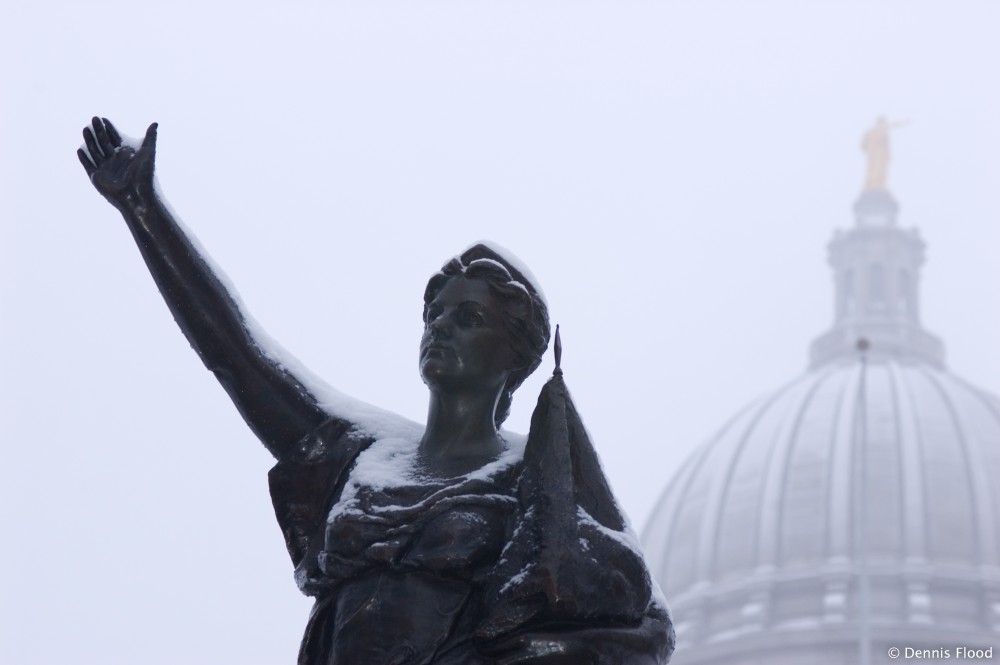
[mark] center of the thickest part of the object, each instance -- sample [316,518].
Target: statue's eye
[471,316]
[432,312]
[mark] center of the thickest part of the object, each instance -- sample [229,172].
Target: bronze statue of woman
[453,544]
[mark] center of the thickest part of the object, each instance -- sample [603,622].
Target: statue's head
[486,326]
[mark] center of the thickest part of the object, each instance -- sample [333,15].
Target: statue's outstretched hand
[118,171]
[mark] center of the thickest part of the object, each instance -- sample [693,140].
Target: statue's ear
[518,364]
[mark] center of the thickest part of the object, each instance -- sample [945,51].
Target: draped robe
[526,560]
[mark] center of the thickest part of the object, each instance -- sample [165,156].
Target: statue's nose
[440,327]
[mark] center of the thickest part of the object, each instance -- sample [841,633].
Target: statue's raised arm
[453,543]
[278,407]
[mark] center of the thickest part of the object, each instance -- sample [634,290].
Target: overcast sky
[670,171]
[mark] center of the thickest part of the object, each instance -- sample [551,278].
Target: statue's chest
[455,527]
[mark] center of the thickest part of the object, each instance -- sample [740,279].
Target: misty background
[670,171]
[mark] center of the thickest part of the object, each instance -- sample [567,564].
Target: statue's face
[465,345]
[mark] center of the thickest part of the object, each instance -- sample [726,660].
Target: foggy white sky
[670,171]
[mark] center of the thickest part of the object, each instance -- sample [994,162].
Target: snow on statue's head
[525,313]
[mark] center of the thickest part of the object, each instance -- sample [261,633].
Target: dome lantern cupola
[856,508]
[876,272]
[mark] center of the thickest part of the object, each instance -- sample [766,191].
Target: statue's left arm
[278,407]
[572,585]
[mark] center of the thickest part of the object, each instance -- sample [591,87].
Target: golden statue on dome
[875,143]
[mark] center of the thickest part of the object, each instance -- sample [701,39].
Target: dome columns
[876,272]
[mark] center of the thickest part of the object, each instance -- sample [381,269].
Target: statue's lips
[438,348]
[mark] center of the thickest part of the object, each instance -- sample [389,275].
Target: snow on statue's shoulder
[393,462]
[376,422]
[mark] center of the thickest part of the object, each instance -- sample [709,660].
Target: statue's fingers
[103,139]
[113,135]
[95,152]
[147,153]
[88,165]
[149,141]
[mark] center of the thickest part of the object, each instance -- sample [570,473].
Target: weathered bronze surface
[478,551]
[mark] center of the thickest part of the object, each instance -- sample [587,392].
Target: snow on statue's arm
[275,396]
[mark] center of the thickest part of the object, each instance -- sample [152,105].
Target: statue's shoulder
[309,478]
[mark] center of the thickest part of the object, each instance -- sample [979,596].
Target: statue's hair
[525,315]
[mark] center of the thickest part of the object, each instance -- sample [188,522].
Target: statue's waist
[394,617]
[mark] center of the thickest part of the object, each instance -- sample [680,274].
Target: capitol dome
[855,509]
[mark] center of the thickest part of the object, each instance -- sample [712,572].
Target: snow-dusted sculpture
[451,544]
